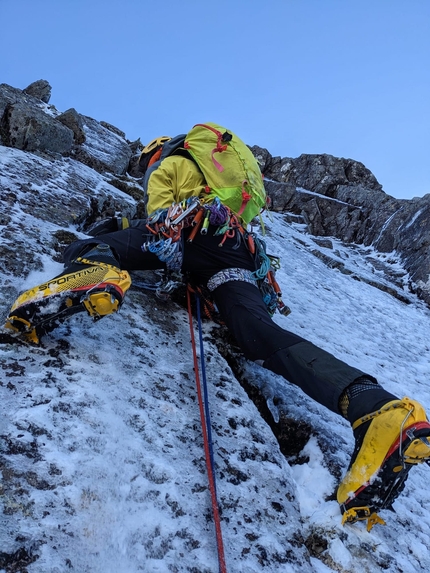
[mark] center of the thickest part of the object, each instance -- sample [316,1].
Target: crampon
[98,289]
[397,439]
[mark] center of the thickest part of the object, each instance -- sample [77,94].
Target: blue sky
[349,78]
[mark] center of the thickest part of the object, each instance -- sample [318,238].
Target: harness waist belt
[227,275]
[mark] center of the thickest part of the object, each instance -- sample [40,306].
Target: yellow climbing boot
[389,442]
[88,285]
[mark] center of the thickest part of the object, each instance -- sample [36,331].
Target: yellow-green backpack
[231,171]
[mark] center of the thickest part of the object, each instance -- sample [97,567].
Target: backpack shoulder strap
[174,146]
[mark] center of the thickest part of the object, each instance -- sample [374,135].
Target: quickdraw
[166,225]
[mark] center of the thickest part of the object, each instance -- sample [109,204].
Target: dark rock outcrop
[40,90]
[341,198]
[73,120]
[29,124]
[30,129]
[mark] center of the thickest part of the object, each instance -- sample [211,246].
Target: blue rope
[168,252]
[205,390]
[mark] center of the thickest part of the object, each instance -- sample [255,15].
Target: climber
[391,434]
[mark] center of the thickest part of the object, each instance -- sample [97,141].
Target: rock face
[74,121]
[40,90]
[46,200]
[103,149]
[30,129]
[100,427]
[341,198]
[29,124]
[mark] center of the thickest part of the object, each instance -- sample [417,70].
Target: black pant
[318,373]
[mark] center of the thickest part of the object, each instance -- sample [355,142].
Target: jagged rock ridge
[341,198]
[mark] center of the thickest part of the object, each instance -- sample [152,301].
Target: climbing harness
[166,226]
[203,400]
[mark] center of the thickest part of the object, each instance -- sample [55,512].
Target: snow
[414,218]
[101,432]
[325,197]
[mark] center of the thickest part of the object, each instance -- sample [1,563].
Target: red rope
[215,509]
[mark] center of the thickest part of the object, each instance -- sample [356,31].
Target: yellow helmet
[152,145]
[149,153]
